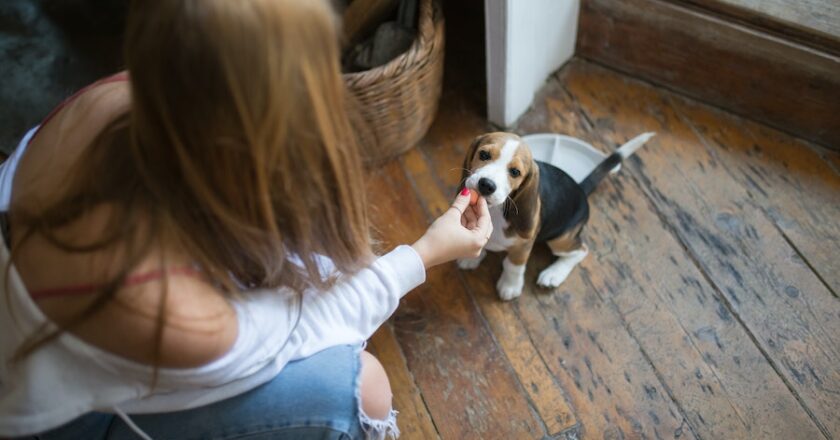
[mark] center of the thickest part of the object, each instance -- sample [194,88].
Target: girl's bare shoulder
[64,137]
[199,323]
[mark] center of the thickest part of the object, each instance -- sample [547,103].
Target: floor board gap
[801,255]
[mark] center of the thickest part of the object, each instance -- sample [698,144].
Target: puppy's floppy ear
[465,167]
[522,209]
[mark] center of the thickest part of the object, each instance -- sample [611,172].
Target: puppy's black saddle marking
[563,203]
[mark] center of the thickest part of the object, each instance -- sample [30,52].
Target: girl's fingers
[482,207]
[462,201]
[469,214]
[483,220]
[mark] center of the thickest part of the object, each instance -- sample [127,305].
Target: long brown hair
[236,149]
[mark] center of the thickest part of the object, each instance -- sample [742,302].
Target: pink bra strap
[131,280]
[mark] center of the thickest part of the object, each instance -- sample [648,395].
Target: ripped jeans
[312,398]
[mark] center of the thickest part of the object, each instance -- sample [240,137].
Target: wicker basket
[393,105]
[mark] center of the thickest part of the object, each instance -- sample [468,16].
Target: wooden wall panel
[812,22]
[783,84]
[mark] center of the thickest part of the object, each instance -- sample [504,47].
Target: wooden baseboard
[790,86]
[812,23]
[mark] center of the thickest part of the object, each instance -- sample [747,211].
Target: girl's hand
[461,232]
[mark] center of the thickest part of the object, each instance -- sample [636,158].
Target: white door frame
[526,41]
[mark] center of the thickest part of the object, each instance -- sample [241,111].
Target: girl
[188,242]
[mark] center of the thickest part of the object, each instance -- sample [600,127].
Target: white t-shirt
[69,377]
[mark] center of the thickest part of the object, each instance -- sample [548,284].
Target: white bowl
[572,155]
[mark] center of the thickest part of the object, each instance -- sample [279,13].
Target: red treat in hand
[473,197]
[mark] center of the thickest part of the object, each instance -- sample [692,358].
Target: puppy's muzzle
[486,186]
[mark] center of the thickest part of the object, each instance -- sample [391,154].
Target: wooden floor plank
[460,371]
[414,420]
[703,355]
[554,110]
[542,388]
[532,373]
[425,184]
[719,377]
[445,154]
[446,143]
[610,382]
[792,315]
[792,183]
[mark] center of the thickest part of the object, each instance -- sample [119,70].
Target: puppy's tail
[613,162]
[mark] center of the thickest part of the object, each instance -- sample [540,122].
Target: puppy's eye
[483,155]
[514,172]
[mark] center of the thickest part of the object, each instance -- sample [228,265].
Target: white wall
[526,41]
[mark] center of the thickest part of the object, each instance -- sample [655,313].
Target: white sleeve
[358,304]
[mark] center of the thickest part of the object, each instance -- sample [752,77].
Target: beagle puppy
[532,201]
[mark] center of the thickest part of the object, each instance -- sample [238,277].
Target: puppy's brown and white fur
[501,168]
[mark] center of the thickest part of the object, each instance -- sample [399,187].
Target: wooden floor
[707,307]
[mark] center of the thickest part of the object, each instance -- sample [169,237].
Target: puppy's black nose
[486,186]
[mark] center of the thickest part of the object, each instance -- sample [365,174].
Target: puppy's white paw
[469,263]
[554,275]
[512,281]
[510,287]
